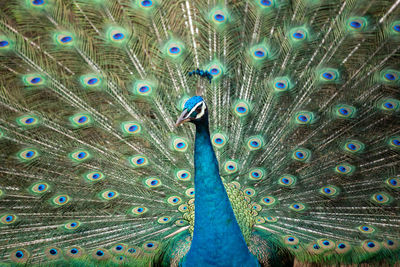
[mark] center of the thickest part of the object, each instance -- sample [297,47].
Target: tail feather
[303,107]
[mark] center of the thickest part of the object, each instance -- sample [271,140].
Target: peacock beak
[182,118]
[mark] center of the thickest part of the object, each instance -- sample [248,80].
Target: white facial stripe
[203,109]
[195,107]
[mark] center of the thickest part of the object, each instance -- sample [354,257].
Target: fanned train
[293,158]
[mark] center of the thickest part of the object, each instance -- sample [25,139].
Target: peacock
[199,133]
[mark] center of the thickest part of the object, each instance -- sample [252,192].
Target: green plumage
[304,119]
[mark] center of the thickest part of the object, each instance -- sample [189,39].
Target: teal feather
[303,118]
[223,243]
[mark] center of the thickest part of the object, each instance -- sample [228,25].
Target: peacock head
[195,111]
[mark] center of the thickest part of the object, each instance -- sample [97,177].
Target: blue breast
[217,238]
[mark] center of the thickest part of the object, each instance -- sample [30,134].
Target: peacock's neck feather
[217,238]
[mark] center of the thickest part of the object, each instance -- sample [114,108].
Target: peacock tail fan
[303,104]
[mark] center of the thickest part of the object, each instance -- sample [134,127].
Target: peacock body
[294,154]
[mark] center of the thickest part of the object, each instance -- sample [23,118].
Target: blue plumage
[295,155]
[217,238]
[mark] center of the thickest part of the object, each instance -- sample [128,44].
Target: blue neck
[217,238]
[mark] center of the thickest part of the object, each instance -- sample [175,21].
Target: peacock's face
[194,110]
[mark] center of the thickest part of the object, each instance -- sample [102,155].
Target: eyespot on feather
[287,180]
[328,75]
[390,244]
[256,207]
[79,155]
[131,128]
[268,201]
[80,120]
[394,142]
[290,240]
[181,223]
[133,251]
[219,140]
[150,246]
[33,80]
[304,118]
[266,5]
[138,161]
[301,154]
[271,219]
[119,248]
[174,49]
[28,154]
[342,247]
[164,220]
[353,146]
[381,198]
[108,194]
[395,27]
[28,121]
[219,16]
[152,182]
[389,104]
[8,219]
[183,208]
[37,3]
[216,69]
[329,191]
[190,192]
[74,252]
[230,167]
[117,35]
[393,182]
[256,174]
[371,246]
[90,81]
[60,200]
[174,200]
[53,253]
[366,229]
[282,84]
[356,24]
[64,39]
[259,52]
[344,169]
[72,225]
[255,143]
[183,175]
[389,76]
[5,44]
[39,188]
[250,192]
[298,207]
[179,144]
[343,111]
[326,244]
[146,5]
[139,210]
[100,254]
[298,35]
[241,108]
[20,255]
[314,248]
[143,88]
[94,176]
